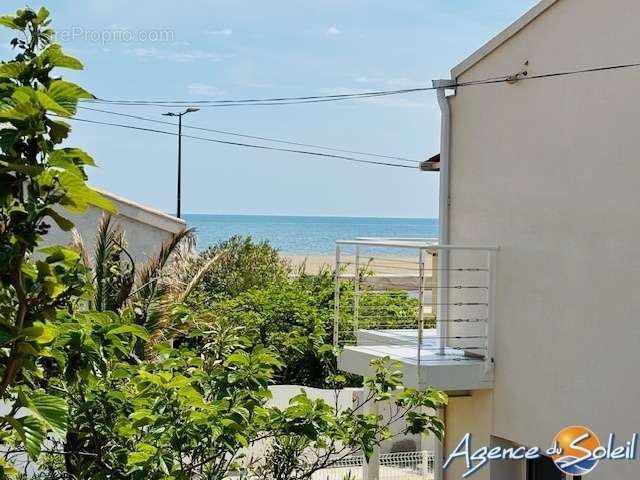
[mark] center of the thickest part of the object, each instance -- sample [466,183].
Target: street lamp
[180,115]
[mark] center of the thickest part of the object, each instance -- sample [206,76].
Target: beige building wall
[467,414]
[549,170]
[145,228]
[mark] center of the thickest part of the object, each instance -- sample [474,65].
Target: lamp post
[180,115]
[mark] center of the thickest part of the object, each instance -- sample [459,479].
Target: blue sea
[305,235]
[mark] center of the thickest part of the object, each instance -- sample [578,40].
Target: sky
[230,49]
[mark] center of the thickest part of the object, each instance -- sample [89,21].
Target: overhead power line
[254,137]
[349,96]
[248,145]
[224,103]
[303,99]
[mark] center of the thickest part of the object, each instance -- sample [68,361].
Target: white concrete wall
[549,170]
[348,398]
[145,228]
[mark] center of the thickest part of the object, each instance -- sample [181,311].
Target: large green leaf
[12,69]
[8,137]
[143,453]
[57,253]
[12,109]
[8,21]
[43,15]
[95,198]
[72,160]
[50,410]
[51,105]
[67,94]
[58,130]
[77,155]
[31,431]
[54,56]
[79,196]
[42,333]
[63,223]
[135,330]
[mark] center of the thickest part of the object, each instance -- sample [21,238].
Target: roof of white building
[502,37]
[141,213]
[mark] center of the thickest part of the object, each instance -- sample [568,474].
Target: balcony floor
[452,371]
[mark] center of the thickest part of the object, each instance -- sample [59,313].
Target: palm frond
[122,290]
[177,283]
[197,278]
[148,286]
[102,252]
[114,276]
[77,244]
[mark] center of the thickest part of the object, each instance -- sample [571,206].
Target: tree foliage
[38,181]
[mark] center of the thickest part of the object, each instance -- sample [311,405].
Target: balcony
[428,306]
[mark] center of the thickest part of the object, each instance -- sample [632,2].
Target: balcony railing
[435,301]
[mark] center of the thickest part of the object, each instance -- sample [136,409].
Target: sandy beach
[387,265]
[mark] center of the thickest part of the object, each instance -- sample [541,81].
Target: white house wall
[549,170]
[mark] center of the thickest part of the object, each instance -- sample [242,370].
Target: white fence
[393,466]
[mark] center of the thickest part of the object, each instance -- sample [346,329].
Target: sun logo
[575,448]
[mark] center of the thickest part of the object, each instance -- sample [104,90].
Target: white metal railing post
[443,299]
[420,310]
[336,301]
[434,283]
[356,292]
[491,293]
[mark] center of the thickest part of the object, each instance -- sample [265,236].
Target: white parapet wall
[145,228]
[347,398]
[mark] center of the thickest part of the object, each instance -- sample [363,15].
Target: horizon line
[303,216]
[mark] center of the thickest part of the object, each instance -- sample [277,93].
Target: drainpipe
[445,162]
[443,255]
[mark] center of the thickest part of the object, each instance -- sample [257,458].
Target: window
[543,468]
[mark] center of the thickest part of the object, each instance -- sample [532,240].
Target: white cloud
[179,55]
[225,32]
[332,31]
[252,84]
[408,83]
[204,89]
[194,55]
[399,83]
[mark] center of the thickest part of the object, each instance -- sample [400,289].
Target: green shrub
[244,265]
[296,317]
[289,318]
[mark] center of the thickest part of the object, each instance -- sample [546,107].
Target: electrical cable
[350,96]
[255,137]
[275,99]
[238,144]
